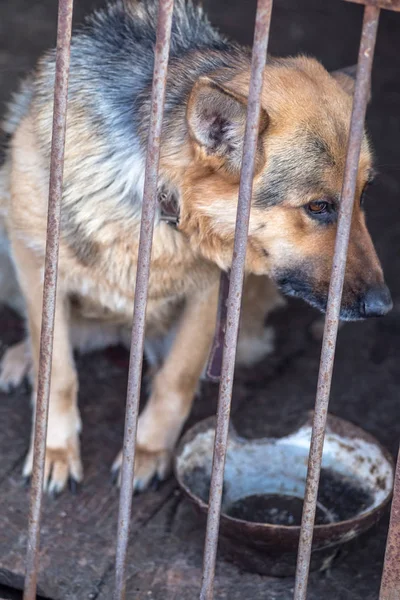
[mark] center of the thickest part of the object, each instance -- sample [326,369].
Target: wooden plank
[165,563]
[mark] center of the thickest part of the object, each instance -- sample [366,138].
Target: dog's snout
[377,302]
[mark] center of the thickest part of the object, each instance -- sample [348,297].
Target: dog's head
[300,161]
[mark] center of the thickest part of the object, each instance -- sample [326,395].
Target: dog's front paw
[150,468]
[62,466]
[15,365]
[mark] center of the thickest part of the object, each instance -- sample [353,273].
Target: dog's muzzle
[376,301]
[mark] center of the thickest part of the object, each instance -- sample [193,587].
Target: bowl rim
[333,423]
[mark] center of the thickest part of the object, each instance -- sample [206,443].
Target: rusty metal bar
[390,584]
[64,27]
[261,36]
[365,60]
[164,23]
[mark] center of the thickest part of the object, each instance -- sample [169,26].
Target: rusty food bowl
[264,489]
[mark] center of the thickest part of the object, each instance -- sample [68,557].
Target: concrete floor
[167,535]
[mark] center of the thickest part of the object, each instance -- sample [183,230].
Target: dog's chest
[105,289]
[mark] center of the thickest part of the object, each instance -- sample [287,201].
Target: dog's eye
[323,211]
[318,207]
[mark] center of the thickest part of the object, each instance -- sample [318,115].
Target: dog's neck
[168,201]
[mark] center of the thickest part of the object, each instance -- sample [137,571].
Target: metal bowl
[264,489]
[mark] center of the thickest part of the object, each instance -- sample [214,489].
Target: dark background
[165,559]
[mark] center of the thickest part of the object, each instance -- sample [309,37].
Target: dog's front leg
[173,390]
[62,444]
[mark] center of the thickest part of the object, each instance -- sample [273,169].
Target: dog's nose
[377,302]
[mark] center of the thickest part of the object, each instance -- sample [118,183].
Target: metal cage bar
[261,36]
[361,94]
[141,289]
[64,28]
[390,584]
[388,4]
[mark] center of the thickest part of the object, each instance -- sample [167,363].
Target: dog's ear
[216,119]
[346,78]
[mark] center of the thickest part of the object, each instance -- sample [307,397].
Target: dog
[299,167]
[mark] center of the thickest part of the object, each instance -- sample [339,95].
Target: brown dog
[297,182]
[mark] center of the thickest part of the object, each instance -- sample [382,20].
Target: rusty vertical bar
[390,584]
[365,60]
[261,36]
[64,27]
[164,23]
